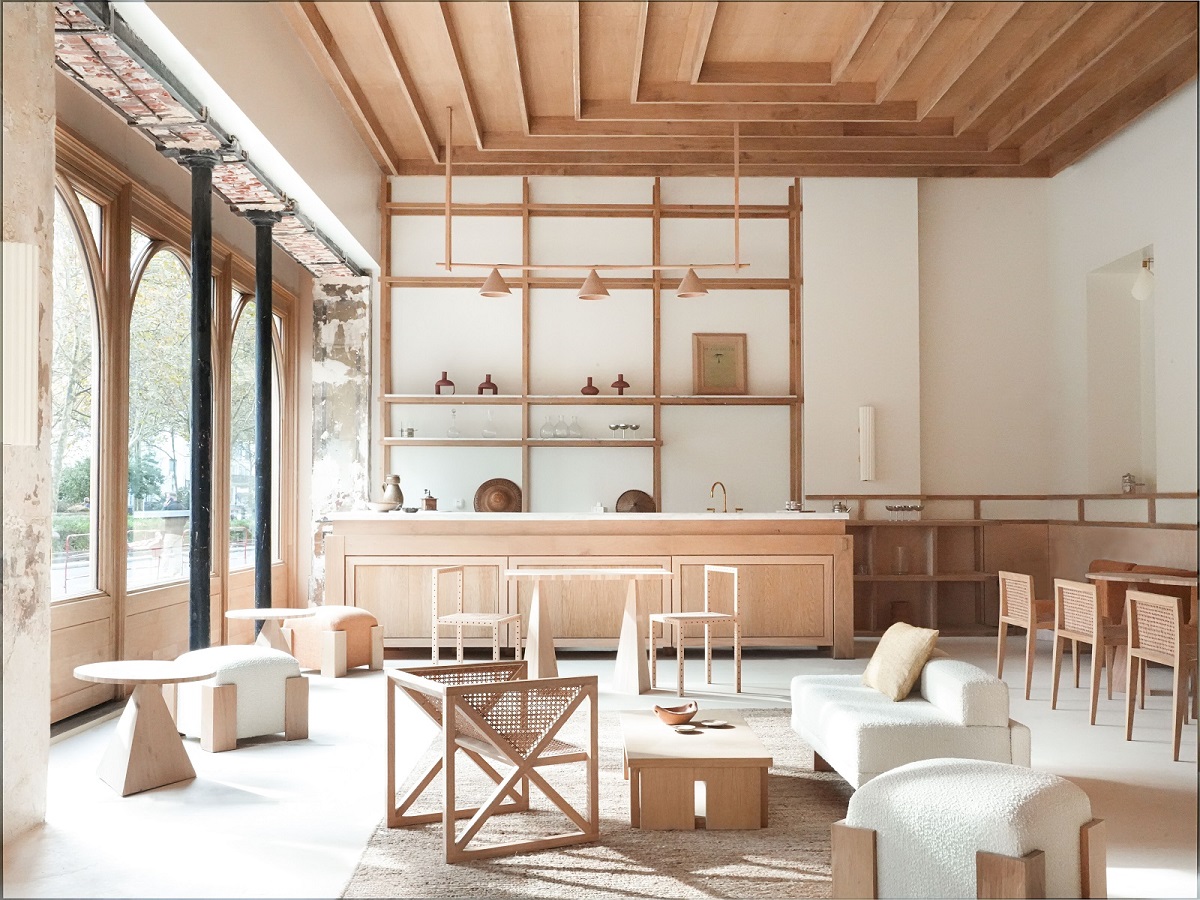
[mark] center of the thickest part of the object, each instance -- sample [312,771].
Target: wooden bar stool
[1156,633]
[707,618]
[1079,616]
[460,619]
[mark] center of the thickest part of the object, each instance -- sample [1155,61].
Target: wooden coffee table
[663,767]
[271,634]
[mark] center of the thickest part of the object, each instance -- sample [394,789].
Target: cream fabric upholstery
[930,817]
[960,711]
[260,674]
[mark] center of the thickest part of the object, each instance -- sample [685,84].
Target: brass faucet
[712,492]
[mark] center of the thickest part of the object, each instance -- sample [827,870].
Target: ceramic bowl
[410,509]
[677,715]
[379,506]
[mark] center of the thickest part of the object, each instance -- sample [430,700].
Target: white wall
[1137,190]
[986,298]
[861,332]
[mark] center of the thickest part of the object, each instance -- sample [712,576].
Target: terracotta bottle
[589,388]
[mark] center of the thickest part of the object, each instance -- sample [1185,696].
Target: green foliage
[145,476]
[66,524]
[75,485]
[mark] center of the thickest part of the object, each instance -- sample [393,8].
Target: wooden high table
[271,635]
[146,751]
[663,767]
[631,675]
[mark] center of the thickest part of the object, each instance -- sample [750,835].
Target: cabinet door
[400,595]
[783,600]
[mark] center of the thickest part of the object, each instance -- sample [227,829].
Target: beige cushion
[897,661]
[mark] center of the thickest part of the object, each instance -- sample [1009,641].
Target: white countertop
[367,515]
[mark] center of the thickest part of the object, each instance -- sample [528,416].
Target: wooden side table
[146,751]
[631,675]
[271,634]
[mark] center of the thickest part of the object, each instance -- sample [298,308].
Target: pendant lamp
[495,286]
[691,286]
[593,288]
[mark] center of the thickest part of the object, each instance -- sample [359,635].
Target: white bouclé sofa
[955,710]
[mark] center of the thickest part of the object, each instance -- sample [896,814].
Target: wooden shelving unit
[925,572]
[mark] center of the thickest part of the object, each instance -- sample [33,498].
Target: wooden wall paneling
[795,348]
[656,339]
[779,597]
[385,305]
[1070,548]
[81,631]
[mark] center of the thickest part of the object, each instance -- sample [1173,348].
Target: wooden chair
[1079,617]
[1156,633]
[493,715]
[707,618]
[1017,607]
[460,619]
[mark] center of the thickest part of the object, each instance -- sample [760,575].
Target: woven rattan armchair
[494,715]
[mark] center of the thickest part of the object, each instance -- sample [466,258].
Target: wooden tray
[498,495]
[636,501]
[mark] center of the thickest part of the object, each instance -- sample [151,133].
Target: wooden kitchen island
[796,571]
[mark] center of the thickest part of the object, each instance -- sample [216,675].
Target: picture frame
[718,363]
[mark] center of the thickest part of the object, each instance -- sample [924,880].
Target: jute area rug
[790,858]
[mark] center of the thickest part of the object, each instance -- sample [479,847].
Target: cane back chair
[494,715]
[1018,607]
[1079,617]
[1157,633]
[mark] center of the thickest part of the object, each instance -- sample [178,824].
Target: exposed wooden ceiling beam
[1029,53]
[696,36]
[576,59]
[764,73]
[383,32]
[308,24]
[639,49]
[460,75]
[923,28]
[984,32]
[677,92]
[825,156]
[519,85]
[852,40]
[786,169]
[890,110]
[1126,109]
[723,143]
[1067,68]
[562,125]
[1132,63]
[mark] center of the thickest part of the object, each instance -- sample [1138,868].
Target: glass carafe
[547,431]
[489,426]
[560,428]
[574,430]
[452,431]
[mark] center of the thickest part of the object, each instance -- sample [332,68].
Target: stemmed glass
[622,426]
[613,429]
[634,429]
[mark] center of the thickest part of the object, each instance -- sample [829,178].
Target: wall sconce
[593,288]
[20,344]
[866,443]
[495,286]
[1143,287]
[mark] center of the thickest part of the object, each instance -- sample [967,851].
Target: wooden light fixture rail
[695,287]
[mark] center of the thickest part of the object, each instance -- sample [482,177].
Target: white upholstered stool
[336,638]
[256,691]
[968,828]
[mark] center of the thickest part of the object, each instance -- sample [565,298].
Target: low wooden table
[271,634]
[146,751]
[631,674]
[663,767]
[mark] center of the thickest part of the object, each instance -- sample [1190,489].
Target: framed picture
[718,363]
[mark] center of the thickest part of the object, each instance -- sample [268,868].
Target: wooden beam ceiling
[823,88]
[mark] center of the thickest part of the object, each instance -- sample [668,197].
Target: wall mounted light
[691,286]
[495,286]
[866,443]
[20,344]
[593,288]
[1143,286]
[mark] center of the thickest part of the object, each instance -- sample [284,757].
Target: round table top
[268,613]
[142,671]
[1119,576]
[1187,580]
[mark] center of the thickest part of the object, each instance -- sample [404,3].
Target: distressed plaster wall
[341,386]
[28,163]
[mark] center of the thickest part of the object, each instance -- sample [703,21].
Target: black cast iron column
[200,557]
[263,364]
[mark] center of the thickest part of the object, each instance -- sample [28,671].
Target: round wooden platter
[498,495]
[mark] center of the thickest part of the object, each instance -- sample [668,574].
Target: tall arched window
[73,396]
[241,438]
[160,387]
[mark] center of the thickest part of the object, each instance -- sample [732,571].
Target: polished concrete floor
[277,819]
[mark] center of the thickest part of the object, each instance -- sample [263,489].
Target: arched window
[241,438]
[73,396]
[160,388]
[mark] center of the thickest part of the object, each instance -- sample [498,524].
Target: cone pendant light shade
[495,286]
[593,288]
[691,286]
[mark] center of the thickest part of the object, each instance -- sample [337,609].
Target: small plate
[714,723]
[686,729]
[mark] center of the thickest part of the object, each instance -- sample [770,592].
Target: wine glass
[622,426]
[613,429]
[634,429]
